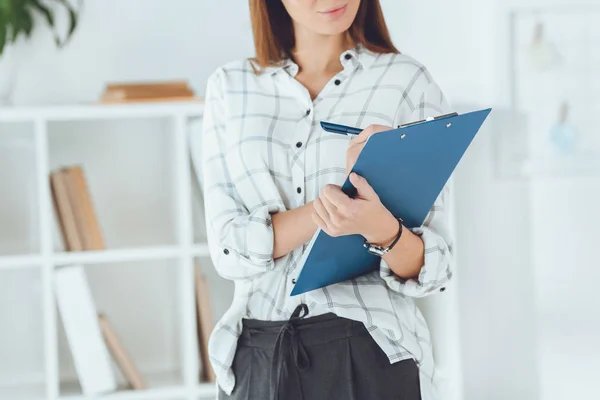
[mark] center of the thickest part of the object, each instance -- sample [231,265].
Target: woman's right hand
[358,142]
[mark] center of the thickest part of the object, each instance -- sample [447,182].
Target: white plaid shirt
[263,152]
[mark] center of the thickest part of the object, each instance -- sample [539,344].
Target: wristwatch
[379,250]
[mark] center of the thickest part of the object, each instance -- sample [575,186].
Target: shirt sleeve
[435,232]
[240,240]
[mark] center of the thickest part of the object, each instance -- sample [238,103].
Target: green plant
[17,18]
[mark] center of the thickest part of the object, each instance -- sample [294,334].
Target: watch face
[376,251]
[373,249]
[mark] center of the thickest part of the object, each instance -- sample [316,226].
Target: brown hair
[274,32]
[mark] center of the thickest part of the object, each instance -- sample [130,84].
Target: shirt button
[299,189]
[225,251]
[308,112]
[348,56]
[299,144]
[442,289]
[294,281]
[337,82]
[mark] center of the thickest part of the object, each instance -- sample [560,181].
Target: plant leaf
[45,11]
[72,19]
[22,21]
[48,15]
[27,22]
[5,8]
[3,36]
[6,22]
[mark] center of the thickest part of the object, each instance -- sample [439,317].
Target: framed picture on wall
[555,82]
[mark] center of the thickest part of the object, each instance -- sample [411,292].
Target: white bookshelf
[147,247]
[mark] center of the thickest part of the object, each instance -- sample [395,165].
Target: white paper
[80,318]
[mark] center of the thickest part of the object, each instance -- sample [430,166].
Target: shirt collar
[359,55]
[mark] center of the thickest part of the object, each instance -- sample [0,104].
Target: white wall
[458,42]
[122,40]
[452,38]
[496,287]
[526,291]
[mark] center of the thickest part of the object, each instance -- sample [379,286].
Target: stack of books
[76,216]
[91,337]
[142,92]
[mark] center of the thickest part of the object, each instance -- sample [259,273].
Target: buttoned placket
[298,142]
[307,107]
[302,134]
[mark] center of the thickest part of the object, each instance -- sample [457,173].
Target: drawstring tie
[288,340]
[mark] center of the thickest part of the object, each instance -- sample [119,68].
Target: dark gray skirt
[325,357]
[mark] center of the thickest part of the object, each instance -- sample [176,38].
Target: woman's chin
[333,28]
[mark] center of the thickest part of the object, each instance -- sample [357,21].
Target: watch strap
[379,250]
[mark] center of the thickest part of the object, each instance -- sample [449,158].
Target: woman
[272,178]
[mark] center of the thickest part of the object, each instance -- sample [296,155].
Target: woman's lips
[335,12]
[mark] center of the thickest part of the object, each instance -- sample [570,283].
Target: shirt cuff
[245,249]
[435,273]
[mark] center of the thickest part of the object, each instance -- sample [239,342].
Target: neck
[316,53]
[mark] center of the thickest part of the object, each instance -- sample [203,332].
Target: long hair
[274,32]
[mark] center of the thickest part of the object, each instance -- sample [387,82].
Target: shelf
[158,393]
[117,255]
[21,262]
[104,256]
[200,250]
[94,112]
[161,386]
[125,255]
[204,391]
[136,160]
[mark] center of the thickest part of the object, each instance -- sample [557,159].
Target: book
[143,86]
[148,92]
[205,325]
[120,355]
[64,211]
[83,208]
[79,317]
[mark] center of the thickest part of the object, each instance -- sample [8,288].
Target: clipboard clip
[428,119]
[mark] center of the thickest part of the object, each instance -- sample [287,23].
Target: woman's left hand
[339,215]
[357,143]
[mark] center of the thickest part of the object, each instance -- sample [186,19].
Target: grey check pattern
[264,152]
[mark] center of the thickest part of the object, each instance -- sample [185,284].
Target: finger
[335,216]
[319,221]
[339,199]
[369,131]
[329,206]
[321,211]
[362,186]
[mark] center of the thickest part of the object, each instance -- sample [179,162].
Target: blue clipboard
[407,167]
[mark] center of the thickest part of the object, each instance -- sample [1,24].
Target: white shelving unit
[143,251]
